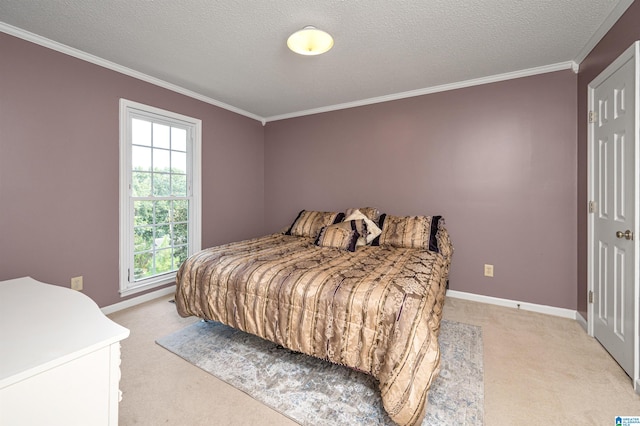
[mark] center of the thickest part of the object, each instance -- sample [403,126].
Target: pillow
[371,231]
[338,236]
[410,232]
[358,224]
[444,240]
[376,240]
[370,212]
[309,223]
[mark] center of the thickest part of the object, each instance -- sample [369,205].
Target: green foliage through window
[160,239]
[159,191]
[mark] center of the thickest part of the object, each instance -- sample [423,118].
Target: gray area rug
[314,392]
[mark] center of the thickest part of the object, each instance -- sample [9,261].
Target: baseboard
[582,321]
[138,300]
[542,309]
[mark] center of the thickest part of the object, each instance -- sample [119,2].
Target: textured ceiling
[234,52]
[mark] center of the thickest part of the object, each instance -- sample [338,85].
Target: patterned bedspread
[377,309]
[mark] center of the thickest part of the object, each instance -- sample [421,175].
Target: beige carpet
[538,370]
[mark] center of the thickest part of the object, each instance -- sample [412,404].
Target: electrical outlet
[488,270]
[76,283]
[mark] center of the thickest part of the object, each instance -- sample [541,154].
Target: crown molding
[59,47]
[602,30]
[67,50]
[435,89]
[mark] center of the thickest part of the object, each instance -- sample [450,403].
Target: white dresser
[59,357]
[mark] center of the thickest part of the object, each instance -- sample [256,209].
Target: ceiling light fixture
[310,41]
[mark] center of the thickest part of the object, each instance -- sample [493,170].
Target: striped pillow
[444,240]
[309,223]
[357,224]
[339,236]
[410,231]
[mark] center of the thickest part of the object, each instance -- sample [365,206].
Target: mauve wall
[622,35]
[59,167]
[497,160]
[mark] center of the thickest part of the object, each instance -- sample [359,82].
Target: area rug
[314,392]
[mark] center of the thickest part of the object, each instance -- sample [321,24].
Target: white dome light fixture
[310,41]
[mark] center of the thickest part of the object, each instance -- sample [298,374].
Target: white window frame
[128,109]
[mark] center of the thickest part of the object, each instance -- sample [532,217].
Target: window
[159,194]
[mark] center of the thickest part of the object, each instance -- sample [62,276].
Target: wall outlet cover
[488,270]
[76,283]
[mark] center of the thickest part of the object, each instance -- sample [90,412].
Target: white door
[613,245]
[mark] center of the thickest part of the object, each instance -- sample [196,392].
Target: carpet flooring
[314,392]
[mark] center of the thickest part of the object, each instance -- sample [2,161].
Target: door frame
[632,53]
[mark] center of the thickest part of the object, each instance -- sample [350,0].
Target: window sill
[154,283]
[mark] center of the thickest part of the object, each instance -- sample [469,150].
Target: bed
[358,288]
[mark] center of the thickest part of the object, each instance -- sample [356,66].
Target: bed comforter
[377,309]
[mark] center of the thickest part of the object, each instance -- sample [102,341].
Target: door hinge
[590,296]
[593,116]
[593,206]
